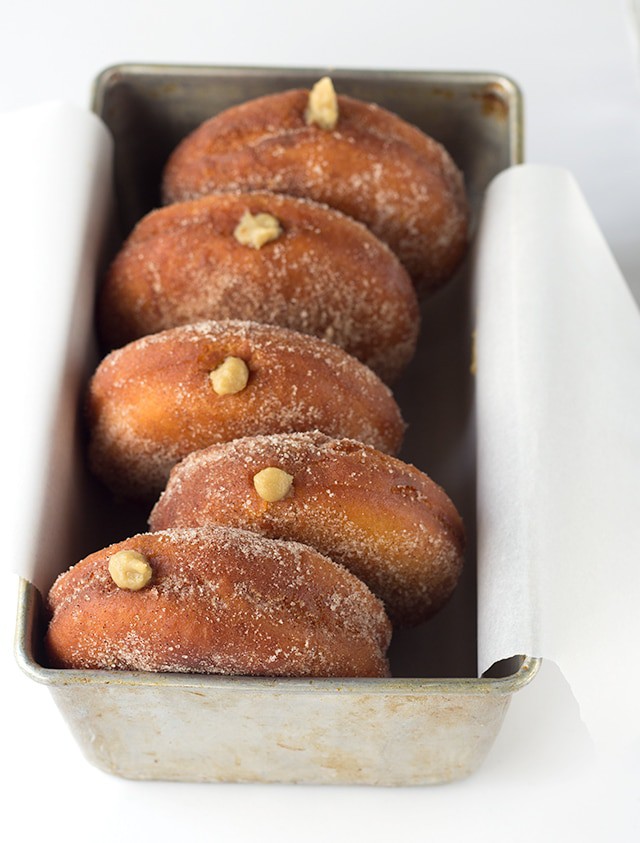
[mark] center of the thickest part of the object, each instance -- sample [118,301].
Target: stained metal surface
[416,728]
[322,731]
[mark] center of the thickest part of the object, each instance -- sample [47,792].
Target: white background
[577,63]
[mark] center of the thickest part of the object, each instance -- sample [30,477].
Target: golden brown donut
[383,519]
[152,402]
[372,166]
[323,274]
[218,601]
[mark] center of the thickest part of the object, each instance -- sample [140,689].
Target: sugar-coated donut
[218,601]
[318,271]
[383,519]
[157,399]
[372,165]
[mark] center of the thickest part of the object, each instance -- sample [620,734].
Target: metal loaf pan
[434,721]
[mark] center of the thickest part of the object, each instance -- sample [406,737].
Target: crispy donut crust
[373,166]
[325,275]
[220,601]
[151,403]
[384,520]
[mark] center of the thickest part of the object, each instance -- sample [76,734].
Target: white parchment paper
[558,408]
[55,172]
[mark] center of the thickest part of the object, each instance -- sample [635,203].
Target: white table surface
[577,62]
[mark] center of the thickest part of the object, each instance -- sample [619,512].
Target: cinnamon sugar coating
[373,166]
[221,601]
[151,403]
[384,520]
[325,275]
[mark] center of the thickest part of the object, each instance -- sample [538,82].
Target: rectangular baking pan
[434,721]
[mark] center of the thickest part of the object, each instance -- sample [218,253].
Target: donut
[384,520]
[266,258]
[369,164]
[158,398]
[215,600]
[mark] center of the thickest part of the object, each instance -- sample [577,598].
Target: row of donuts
[262,425]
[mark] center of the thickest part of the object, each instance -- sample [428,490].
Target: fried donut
[372,165]
[384,520]
[216,600]
[314,270]
[157,399]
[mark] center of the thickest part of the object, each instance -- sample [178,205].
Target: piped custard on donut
[215,600]
[157,399]
[266,258]
[384,520]
[353,156]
